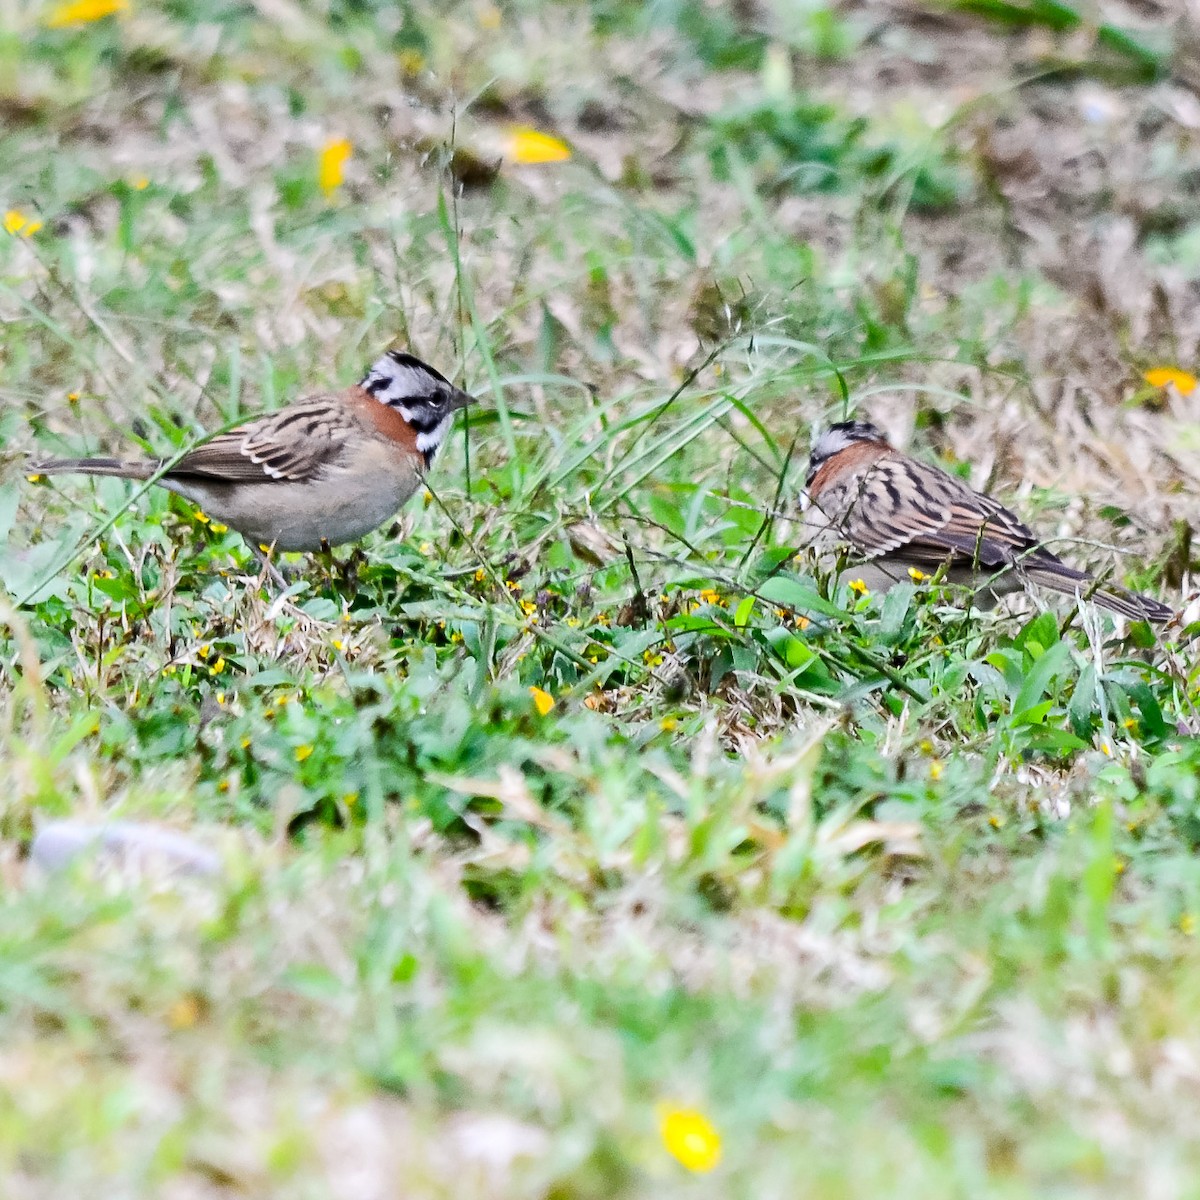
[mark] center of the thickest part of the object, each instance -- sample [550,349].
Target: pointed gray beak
[460,399]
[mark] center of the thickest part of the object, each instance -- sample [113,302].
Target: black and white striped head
[425,398]
[836,438]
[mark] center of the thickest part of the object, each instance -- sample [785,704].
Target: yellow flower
[139,183]
[668,724]
[17,223]
[331,162]
[34,478]
[72,397]
[84,12]
[935,770]
[1161,376]
[480,575]
[184,1013]
[204,650]
[200,516]
[710,596]
[858,587]
[530,146]
[542,701]
[915,575]
[218,666]
[689,1137]
[217,527]
[302,752]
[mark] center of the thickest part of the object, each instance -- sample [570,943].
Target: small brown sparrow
[323,471]
[902,518]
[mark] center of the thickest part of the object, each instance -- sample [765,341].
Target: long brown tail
[1062,578]
[93,466]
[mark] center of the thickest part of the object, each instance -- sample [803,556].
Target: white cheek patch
[434,438]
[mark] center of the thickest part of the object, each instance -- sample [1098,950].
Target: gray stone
[130,843]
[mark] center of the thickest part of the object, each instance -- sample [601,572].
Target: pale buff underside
[336,505]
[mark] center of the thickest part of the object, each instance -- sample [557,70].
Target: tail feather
[94,466]
[1136,607]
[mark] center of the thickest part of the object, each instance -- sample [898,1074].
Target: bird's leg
[263,555]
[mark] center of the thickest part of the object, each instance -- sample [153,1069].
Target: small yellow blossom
[916,576]
[217,527]
[1187,923]
[935,769]
[689,1137]
[1130,723]
[425,548]
[668,724]
[858,587]
[512,585]
[200,516]
[203,650]
[411,60]
[528,607]
[531,147]
[245,743]
[221,696]
[18,224]
[331,163]
[1106,749]
[83,12]
[218,666]
[139,183]
[542,701]
[711,596]
[455,638]
[802,623]
[1184,381]
[602,618]
[34,478]
[302,752]
[572,622]
[72,397]
[1119,865]
[480,575]
[184,1013]
[996,822]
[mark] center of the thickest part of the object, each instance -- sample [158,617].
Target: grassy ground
[883,897]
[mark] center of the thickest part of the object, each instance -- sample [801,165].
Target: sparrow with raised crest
[325,470]
[901,519]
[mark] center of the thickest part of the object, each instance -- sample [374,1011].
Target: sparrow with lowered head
[325,470]
[901,517]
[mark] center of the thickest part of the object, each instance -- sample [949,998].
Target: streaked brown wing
[291,445]
[905,504]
